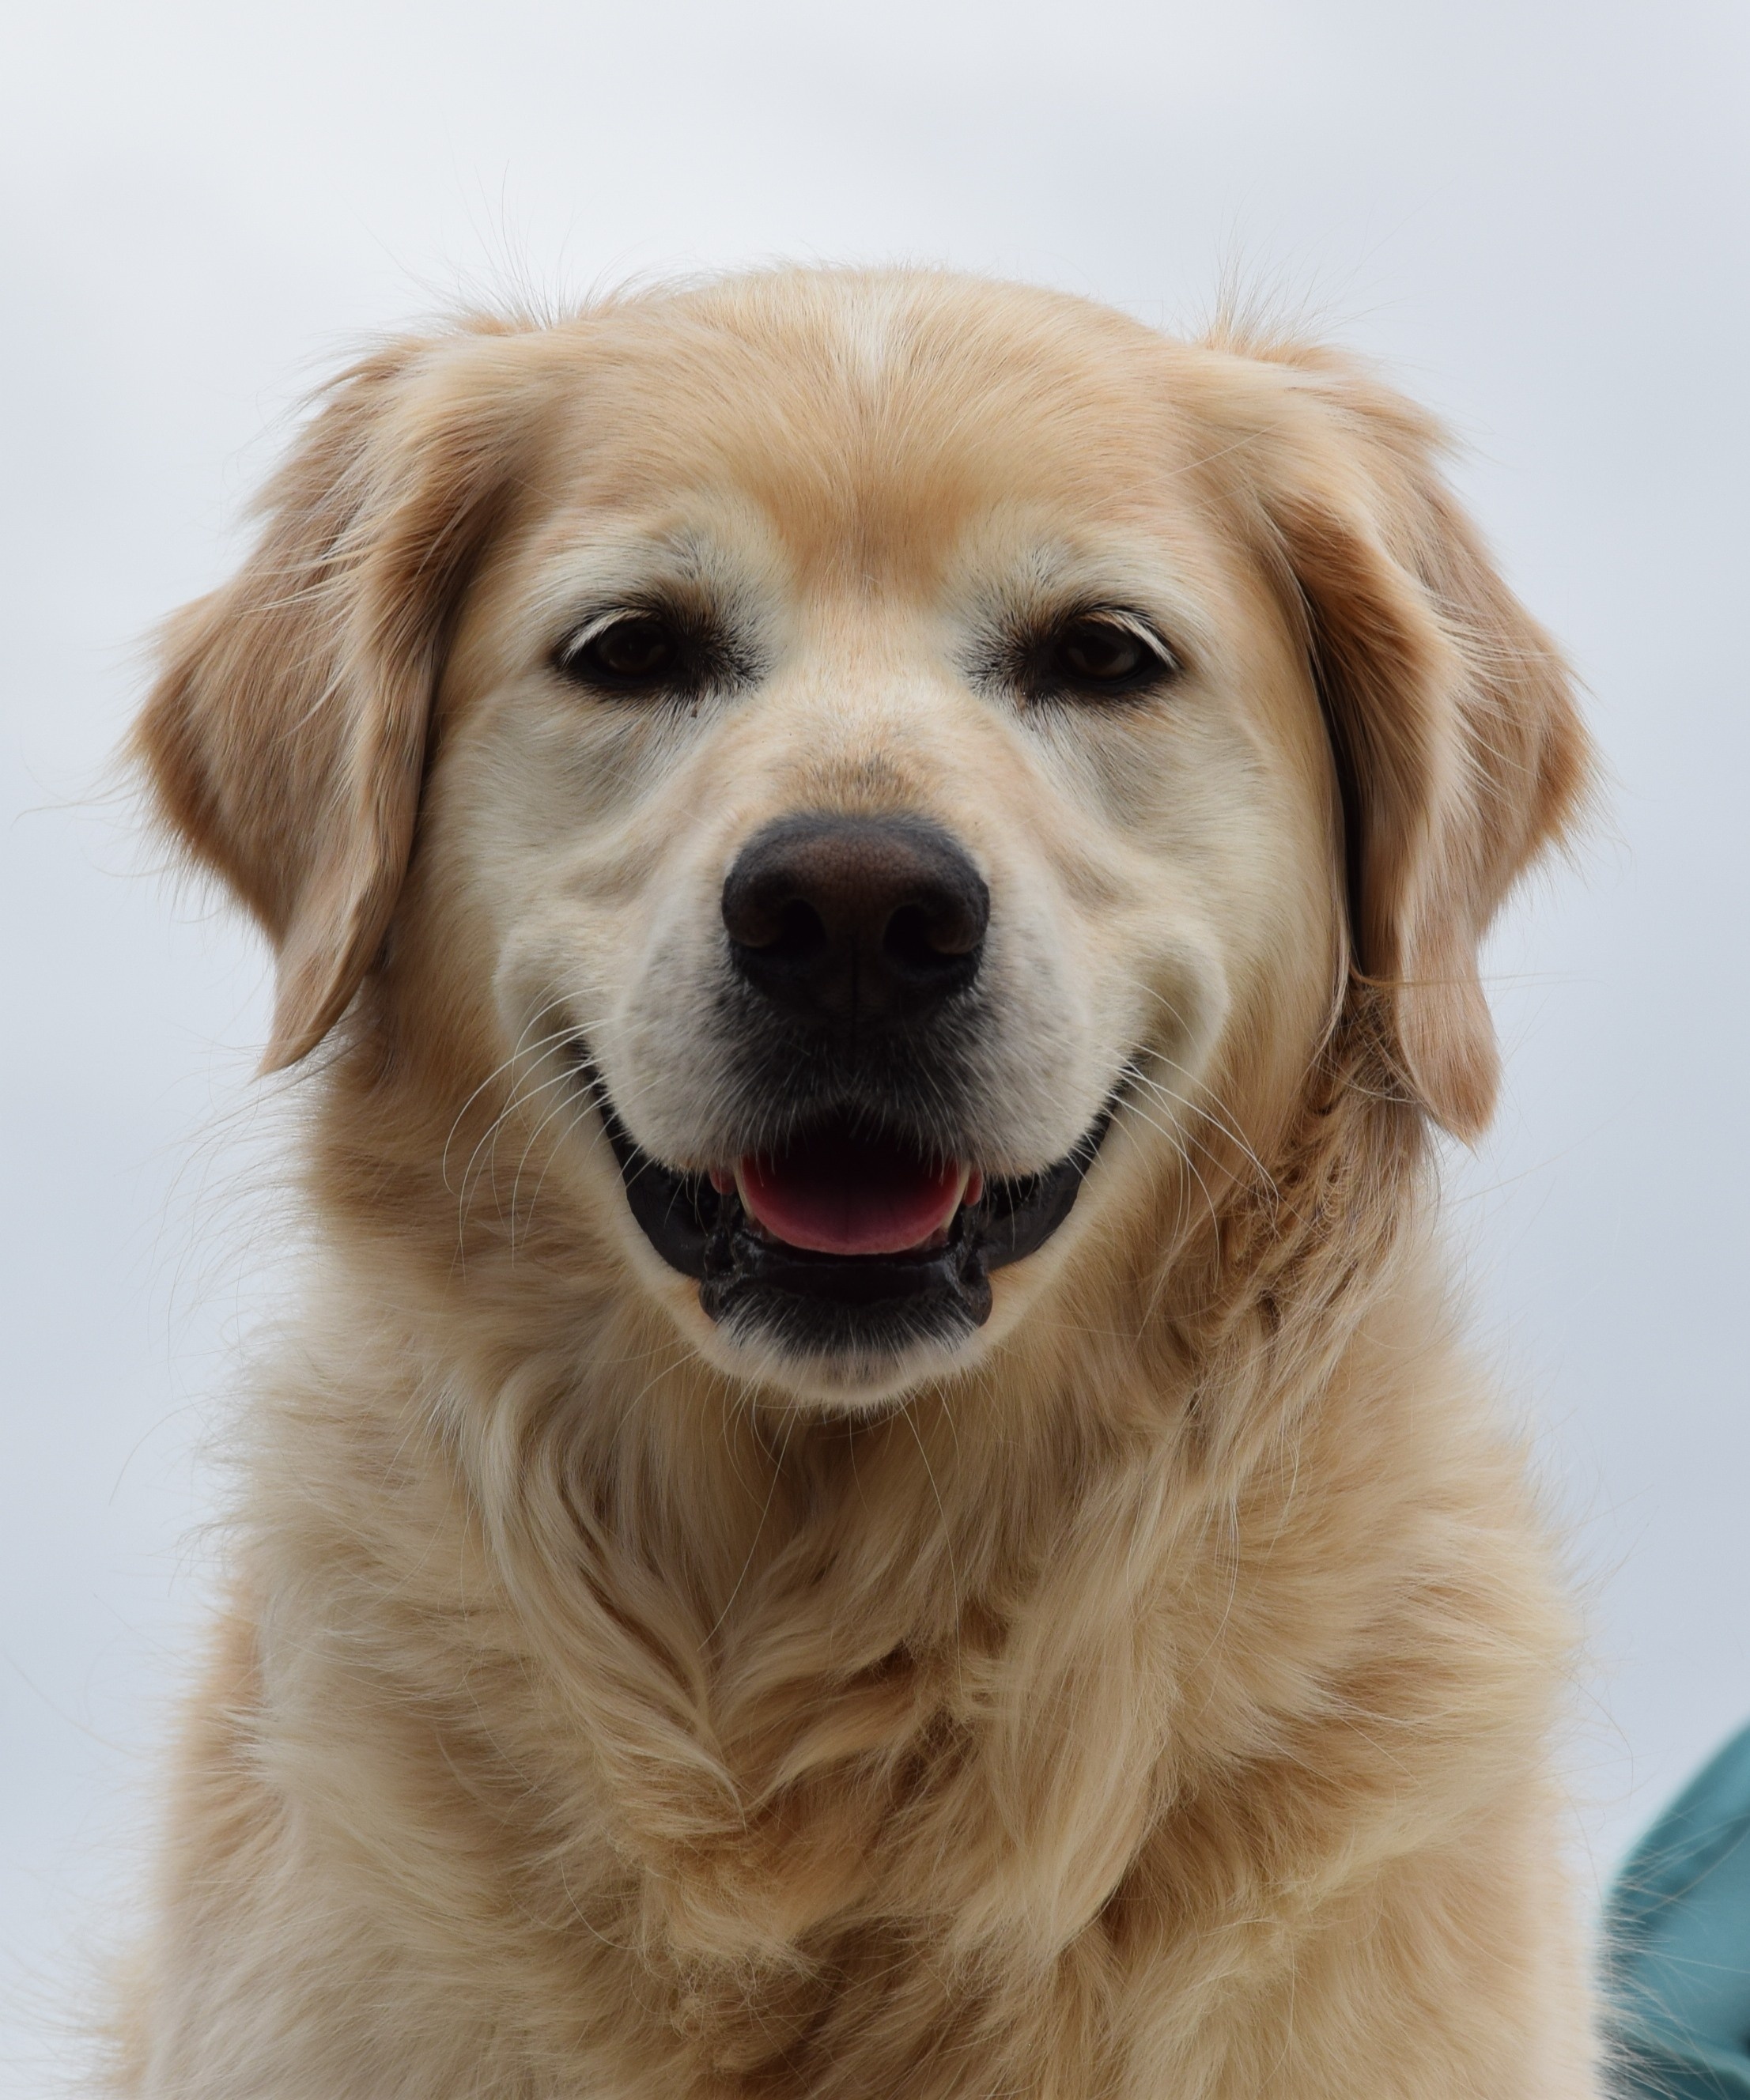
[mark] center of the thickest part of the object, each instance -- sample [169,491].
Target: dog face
[867,807]
[894,761]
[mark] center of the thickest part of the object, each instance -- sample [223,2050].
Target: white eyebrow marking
[1134,625]
[580,637]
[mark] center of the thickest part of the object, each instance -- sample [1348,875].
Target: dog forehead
[872,420]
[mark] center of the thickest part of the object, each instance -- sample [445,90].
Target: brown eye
[1092,650]
[1101,653]
[637,653]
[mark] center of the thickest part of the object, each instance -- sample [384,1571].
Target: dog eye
[1097,653]
[640,652]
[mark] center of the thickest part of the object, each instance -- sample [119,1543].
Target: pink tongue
[835,1195]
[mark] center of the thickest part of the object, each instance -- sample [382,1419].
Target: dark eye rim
[679,672]
[710,658]
[1044,677]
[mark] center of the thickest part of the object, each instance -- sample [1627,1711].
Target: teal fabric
[1677,1944]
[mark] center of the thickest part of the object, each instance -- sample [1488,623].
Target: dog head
[870,766]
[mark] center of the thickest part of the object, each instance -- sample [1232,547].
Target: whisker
[503,1064]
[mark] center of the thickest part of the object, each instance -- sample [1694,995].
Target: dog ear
[285,741]
[1460,753]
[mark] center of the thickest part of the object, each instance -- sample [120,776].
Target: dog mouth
[849,1239]
[836,1192]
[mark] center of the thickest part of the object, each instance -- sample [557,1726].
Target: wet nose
[839,918]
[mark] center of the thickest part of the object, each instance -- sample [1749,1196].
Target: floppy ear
[1458,752]
[285,741]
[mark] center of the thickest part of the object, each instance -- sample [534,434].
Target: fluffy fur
[1151,1697]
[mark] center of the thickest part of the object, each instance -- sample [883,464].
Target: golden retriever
[870,1491]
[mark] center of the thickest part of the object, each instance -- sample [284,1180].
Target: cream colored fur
[1150,1699]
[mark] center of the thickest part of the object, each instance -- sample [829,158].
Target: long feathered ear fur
[285,739]
[1460,754]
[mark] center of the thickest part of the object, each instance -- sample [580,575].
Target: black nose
[852,918]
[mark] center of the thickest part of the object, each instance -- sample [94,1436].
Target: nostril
[767,916]
[798,937]
[925,942]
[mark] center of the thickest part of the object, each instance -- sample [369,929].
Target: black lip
[831,1303]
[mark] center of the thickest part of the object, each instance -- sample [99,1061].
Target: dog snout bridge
[839,918]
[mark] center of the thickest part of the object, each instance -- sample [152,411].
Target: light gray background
[1535,212]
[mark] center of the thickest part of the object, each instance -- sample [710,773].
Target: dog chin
[855,1374]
